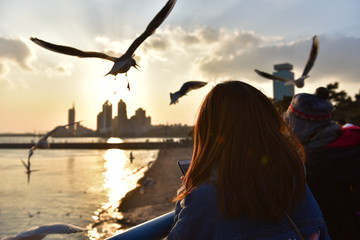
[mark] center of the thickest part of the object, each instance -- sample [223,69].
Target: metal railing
[154,229]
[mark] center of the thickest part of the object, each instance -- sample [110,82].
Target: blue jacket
[196,218]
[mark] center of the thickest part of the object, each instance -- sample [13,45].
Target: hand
[182,179]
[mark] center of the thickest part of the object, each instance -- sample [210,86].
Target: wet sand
[153,197]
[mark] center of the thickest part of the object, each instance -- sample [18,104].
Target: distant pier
[104,145]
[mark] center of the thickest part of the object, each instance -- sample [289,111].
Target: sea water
[67,186]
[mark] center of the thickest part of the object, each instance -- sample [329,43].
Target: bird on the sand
[185,88]
[123,63]
[43,144]
[300,81]
[38,233]
[131,157]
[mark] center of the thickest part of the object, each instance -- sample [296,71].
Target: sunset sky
[204,40]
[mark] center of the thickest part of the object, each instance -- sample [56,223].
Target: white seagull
[123,63]
[185,88]
[43,144]
[300,81]
[38,233]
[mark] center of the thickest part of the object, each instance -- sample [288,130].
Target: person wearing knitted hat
[309,115]
[332,161]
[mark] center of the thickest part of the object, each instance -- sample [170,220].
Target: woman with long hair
[246,179]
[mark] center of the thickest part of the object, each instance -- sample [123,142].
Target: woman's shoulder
[205,188]
[205,195]
[201,201]
[308,208]
[203,192]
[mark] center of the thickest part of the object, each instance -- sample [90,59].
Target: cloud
[4,68]
[168,38]
[64,68]
[61,68]
[208,35]
[201,35]
[155,43]
[340,58]
[15,50]
[235,54]
[210,53]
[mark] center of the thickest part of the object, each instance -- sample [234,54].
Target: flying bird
[185,88]
[43,144]
[309,64]
[123,63]
[28,169]
[38,233]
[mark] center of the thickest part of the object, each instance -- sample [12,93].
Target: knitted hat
[308,113]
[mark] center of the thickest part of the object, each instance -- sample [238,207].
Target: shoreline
[152,197]
[104,145]
[157,188]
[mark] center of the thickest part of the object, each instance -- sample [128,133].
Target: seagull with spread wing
[38,233]
[185,88]
[43,144]
[300,81]
[123,63]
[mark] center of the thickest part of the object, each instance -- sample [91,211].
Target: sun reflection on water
[120,177]
[116,162]
[114,140]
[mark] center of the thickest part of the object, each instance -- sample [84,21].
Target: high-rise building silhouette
[104,119]
[122,120]
[71,118]
[122,113]
[280,89]
[142,121]
[99,122]
[120,125]
[107,110]
[138,125]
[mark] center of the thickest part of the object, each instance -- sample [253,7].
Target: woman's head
[240,137]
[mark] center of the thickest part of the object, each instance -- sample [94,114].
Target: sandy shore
[157,188]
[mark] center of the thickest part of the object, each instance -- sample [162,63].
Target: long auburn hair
[241,139]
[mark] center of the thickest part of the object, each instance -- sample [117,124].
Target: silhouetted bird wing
[71,51]
[44,138]
[42,231]
[185,88]
[31,152]
[25,165]
[191,85]
[270,76]
[312,57]
[150,29]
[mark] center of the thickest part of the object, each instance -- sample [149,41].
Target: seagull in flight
[185,88]
[38,233]
[300,81]
[42,144]
[123,63]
